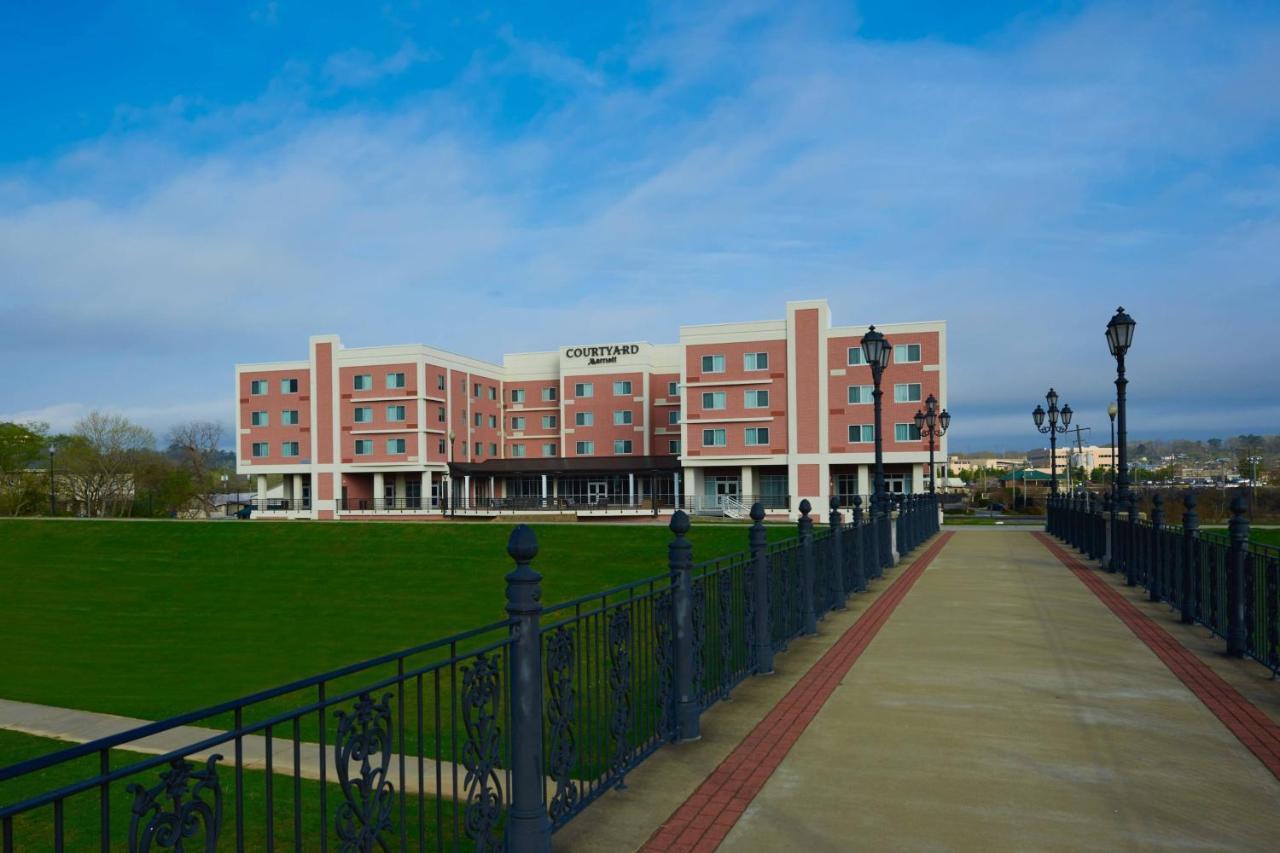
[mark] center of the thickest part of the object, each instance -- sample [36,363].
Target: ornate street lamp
[53,494]
[1119,338]
[876,350]
[1053,428]
[932,424]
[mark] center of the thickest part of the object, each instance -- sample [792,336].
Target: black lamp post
[53,494]
[932,424]
[1053,428]
[1119,337]
[1111,413]
[875,352]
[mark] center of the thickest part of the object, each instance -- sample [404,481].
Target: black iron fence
[492,738]
[1221,581]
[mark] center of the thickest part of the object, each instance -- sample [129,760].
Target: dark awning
[582,465]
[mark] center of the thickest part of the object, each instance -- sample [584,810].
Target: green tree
[21,446]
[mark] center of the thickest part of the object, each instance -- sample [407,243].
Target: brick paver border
[703,821]
[1242,718]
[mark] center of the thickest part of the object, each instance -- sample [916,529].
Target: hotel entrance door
[598,491]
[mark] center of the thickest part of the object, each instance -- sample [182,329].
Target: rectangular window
[584,448]
[713,364]
[395,414]
[855,356]
[622,417]
[440,447]
[673,417]
[478,419]
[260,449]
[258,387]
[859,394]
[395,445]
[493,421]
[548,450]
[548,421]
[674,445]
[363,414]
[517,451]
[259,419]
[289,448]
[756,399]
[862,433]
[493,449]
[440,382]
[622,445]
[906,353]
[493,392]
[584,419]
[364,381]
[477,389]
[673,389]
[713,438]
[714,400]
[549,394]
[622,388]
[395,380]
[479,449]
[517,423]
[364,447]
[584,389]
[440,415]
[288,386]
[757,436]
[289,417]
[906,392]
[755,361]
[905,432]
[517,395]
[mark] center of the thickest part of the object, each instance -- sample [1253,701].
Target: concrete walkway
[1004,707]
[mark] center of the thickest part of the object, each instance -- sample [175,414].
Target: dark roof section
[570,465]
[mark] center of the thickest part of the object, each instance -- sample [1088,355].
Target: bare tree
[100,461]
[195,444]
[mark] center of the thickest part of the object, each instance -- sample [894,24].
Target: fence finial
[679,523]
[757,511]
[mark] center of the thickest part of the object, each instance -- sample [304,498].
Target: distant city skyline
[199,186]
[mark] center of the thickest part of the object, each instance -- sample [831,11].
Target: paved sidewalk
[1005,707]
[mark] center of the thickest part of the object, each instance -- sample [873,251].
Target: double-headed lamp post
[932,424]
[876,350]
[53,493]
[1052,428]
[1119,338]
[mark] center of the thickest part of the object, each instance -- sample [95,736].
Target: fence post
[528,826]
[1190,531]
[892,512]
[1239,527]
[1154,561]
[872,551]
[1130,541]
[1108,553]
[859,547]
[680,561]
[837,553]
[806,554]
[758,538]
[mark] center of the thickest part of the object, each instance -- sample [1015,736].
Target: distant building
[956,464]
[1088,457]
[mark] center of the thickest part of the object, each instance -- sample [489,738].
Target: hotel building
[775,411]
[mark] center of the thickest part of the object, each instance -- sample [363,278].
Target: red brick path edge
[1242,718]
[704,819]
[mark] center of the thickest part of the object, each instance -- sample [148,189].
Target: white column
[675,487]
[378,487]
[492,490]
[917,478]
[748,478]
[262,490]
[425,491]
[864,480]
[544,487]
[400,490]
[297,489]
[466,489]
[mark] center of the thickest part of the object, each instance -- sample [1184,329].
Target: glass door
[597,491]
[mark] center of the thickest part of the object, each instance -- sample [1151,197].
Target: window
[859,394]
[395,380]
[364,447]
[713,438]
[549,394]
[517,395]
[517,451]
[548,450]
[364,381]
[905,432]
[477,389]
[756,399]
[260,449]
[493,449]
[440,447]
[622,445]
[622,417]
[584,448]
[363,414]
[517,423]
[855,356]
[584,389]
[288,386]
[673,389]
[622,388]
[395,414]
[906,392]
[259,419]
[548,421]
[906,353]
[674,445]
[713,399]
[673,417]
[440,382]
[258,387]
[755,361]
[477,419]
[862,433]
[479,449]
[584,419]
[493,392]
[713,364]
[288,448]
[757,436]
[493,421]
[289,417]
[440,415]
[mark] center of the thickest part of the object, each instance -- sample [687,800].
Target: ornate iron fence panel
[725,656]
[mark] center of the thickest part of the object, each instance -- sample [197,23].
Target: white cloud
[356,68]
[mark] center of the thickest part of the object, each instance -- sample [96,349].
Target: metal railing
[1221,581]
[492,738]
[278,504]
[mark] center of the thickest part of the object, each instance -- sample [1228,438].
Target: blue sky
[184,186]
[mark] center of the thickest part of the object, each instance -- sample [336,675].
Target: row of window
[548,422]
[621,447]
[752,437]
[866,433]
[261,418]
[905,392]
[258,387]
[753,399]
[548,394]
[364,414]
[902,354]
[262,448]
[750,361]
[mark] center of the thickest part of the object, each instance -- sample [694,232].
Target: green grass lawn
[153,619]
